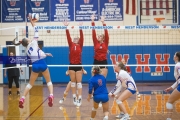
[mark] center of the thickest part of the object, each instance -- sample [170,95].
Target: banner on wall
[13,10]
[62,10]
[111,9]
[85,8]
[39,6]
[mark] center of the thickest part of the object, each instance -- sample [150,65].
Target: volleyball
[35,16]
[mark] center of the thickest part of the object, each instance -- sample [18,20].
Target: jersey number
[100,82]
[30,50]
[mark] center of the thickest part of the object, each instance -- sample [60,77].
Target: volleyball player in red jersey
[75,72]
[100,47]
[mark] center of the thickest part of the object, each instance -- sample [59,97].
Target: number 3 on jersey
[30,50]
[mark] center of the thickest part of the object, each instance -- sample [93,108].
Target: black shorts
[104,62]
[75,68]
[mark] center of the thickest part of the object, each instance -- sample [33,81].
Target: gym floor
[151,106]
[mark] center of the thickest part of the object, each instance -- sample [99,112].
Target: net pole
[26,34]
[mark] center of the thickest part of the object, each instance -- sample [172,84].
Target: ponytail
[96,70]
[24,42]
[122,66]
[13,42]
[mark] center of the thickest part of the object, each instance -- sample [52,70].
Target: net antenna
[157,15]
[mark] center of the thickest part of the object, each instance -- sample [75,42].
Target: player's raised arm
[106,35]
[67,33]
[93,30]
[31,20]
[81,39]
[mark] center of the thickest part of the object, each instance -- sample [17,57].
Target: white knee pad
[29,86]
[169,105]
[49,83]
[73,84]
[118,102]
[93,109]
[79,85]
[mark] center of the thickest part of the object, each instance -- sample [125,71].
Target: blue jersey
[98,83]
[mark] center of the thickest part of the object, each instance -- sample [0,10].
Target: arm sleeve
[36,34]
[117,88]
[174,85]
[94,34]
[106,36]
[68,37]
[81,40]
[90,87]
[178,70]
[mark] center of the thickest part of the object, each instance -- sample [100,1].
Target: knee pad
[169,105]
[94,109]
[49,83]
[79,85]
[118,102]
[29,86]
[73,84]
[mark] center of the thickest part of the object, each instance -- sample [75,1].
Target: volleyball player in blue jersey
[98,84]
[38,64]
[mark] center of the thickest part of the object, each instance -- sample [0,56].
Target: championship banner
[85,8]
[62,10]
[13,10]
[112,10]
[39,6]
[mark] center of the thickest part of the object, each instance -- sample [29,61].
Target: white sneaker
[120,115]
[125,117]
[75,101]
[62,100]
[105,118]
[79,102]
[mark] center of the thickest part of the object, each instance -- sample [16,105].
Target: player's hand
[168,89]
[30,16]
[65,23]
[88,99]
[84,72]
[49,54]
[80,24]
[102,19]
[92,17]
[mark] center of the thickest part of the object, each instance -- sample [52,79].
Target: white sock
[126,114]
[121,113]
[91,118]
[106,117]
[79,97]
[168,119]
[23,97]
[74,95]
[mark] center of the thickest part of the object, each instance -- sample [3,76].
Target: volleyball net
[146,49]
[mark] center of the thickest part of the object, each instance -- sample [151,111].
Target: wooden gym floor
[151,106]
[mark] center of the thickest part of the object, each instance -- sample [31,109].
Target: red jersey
[100,49]
[75,50]
[128,69]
